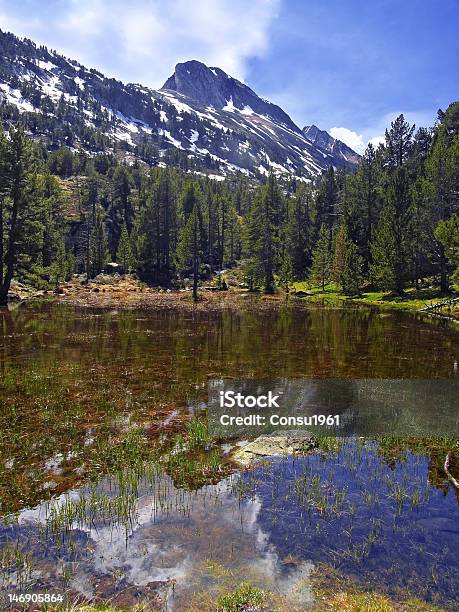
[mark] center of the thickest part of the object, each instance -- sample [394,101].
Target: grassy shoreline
[126,292]
[412,301]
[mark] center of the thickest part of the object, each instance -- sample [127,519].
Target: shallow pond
[74,383]
[381,523]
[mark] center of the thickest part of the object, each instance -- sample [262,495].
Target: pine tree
[59,267]
[189,254]
[124,254]
[120,208]
[369,172]
[327,202]
[252,265]
[233,242]
[391,243]
[299,231]
[384,252]
[352,277]
[223,214]
[21,212]
[347,268]
[155,229]
[320,269]
[263,232]
[399,142]
[53,218]
[5,170]
[441,185]
[447,233]
[99,249]
[340,256]
[286,272]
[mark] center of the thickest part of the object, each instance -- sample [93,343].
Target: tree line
[391,224]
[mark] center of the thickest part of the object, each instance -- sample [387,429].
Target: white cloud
[377,140]
[374,134]
[143,40]
[352,139]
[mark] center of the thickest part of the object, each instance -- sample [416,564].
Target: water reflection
[382,524]
[335,343]
[198,542]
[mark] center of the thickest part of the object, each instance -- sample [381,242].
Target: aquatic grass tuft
[14,562]
[245,597]
[198,435]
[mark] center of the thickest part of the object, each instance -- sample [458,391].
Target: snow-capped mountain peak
[213,87]
[201,119]
[326,142]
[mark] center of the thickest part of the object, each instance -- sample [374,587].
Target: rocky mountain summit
[213,87]
[324,141]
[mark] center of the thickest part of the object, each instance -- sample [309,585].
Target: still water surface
[389,523]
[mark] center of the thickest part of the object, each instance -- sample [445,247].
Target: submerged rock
[283,442]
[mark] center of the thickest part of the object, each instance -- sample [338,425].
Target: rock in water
[283,442]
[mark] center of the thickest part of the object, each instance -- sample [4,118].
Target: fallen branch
[447,472]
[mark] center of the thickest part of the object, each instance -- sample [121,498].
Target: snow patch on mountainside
[229,106]
[13,96]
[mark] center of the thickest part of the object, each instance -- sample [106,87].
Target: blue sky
[348,66]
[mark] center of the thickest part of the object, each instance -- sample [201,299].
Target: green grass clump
[329,444]
[244,597]
[195,470]
[198,435]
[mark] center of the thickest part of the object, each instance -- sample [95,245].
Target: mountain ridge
[201,119]
[326,142]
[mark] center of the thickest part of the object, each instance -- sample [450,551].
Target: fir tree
[21,212]
[320,269]
[99,250]
[124,254]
